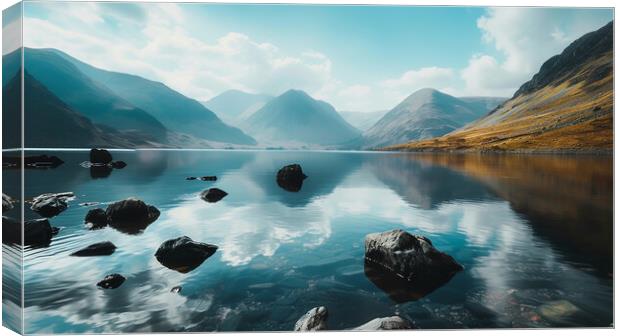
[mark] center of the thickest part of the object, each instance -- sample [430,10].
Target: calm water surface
[534,234]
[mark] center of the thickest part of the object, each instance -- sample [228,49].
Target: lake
[533,232]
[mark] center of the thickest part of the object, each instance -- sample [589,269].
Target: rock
[96,219]
[131,216]
[111,281]
[387,323]
[98,249]
[190,178]
[7,202]
[176,289]
[50,205]
[209,178]
[87,204]
[557,310]
[183,254]
[39,161]
[11,231]
[213,195]
[291,178]
[100,156]
[38,232]
[410,257]
[398,289]
[118,164]
[315,319]
[100,171]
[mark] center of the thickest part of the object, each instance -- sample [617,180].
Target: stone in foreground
[96,219]
[7,202]
[315,319]
[387,323]
[213,195]
[100,156]
[98,249]
[291,178]
[183,254]
[410,257]
[50,205]
[131,216]
[111,281]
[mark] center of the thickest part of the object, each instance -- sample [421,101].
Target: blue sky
[359,58]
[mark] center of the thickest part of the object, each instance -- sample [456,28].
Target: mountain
[362,120]
[566,106]
[234,106]
[51,123]
[295,117]
[92,99]
[426,113]
[178,112]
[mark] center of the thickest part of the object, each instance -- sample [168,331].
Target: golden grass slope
[573,116]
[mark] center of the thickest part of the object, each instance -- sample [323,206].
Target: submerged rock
[315,319]
[7,202]
[291,178]
[213,195]
[100,156]
[411,257]
[111,281]
[131,216]
[398,289]
[100,171]
[209,178]
[387,323]
[183,254]
[50,205]
[96,219]
[98,249]
[557,310]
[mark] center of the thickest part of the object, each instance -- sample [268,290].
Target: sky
[358,58]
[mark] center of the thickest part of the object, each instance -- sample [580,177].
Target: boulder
[411,257]
[96,219]
[111,281]
[386,323]
[50,205]
[315,319]
[213,195]
[98,249]
[183,254]
[118,164]
[11,231]
[398,289]
[38,232]
[558,311]
[209,178]
[291,178]
[7,202]
[131,216]
[100,156]
[100,171]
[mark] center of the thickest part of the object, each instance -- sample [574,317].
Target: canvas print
[203,167]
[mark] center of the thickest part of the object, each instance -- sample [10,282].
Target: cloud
[524,38]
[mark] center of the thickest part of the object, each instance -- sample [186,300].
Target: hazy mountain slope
[234,106]
[176,111]
[362,120]
[566,106]
[296,117]
[51,123]
[484,103]
[89,97]
[426,113]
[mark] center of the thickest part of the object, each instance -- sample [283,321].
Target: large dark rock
[98,249]
[111,281]
[209,178]
[315,319]
[96,219]
[11,231]
[291,177]
[411,257]
[386,323]
[100,156]
[39,161]
[213,195]
[131,216]
[183,254]
[398,289]
[7,202]
[100,171]
[50,205]
[37,232]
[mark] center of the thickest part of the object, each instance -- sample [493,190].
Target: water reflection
[282,253]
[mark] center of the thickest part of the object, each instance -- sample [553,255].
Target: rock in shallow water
[131,216]
[213,195]
[96,219]
[315,319]
[7,202]
[411,257]
[183,254]
[387,323]
[291,177]
[557,311]
[111,281]
[50,205]
[100,156]
[98,249]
